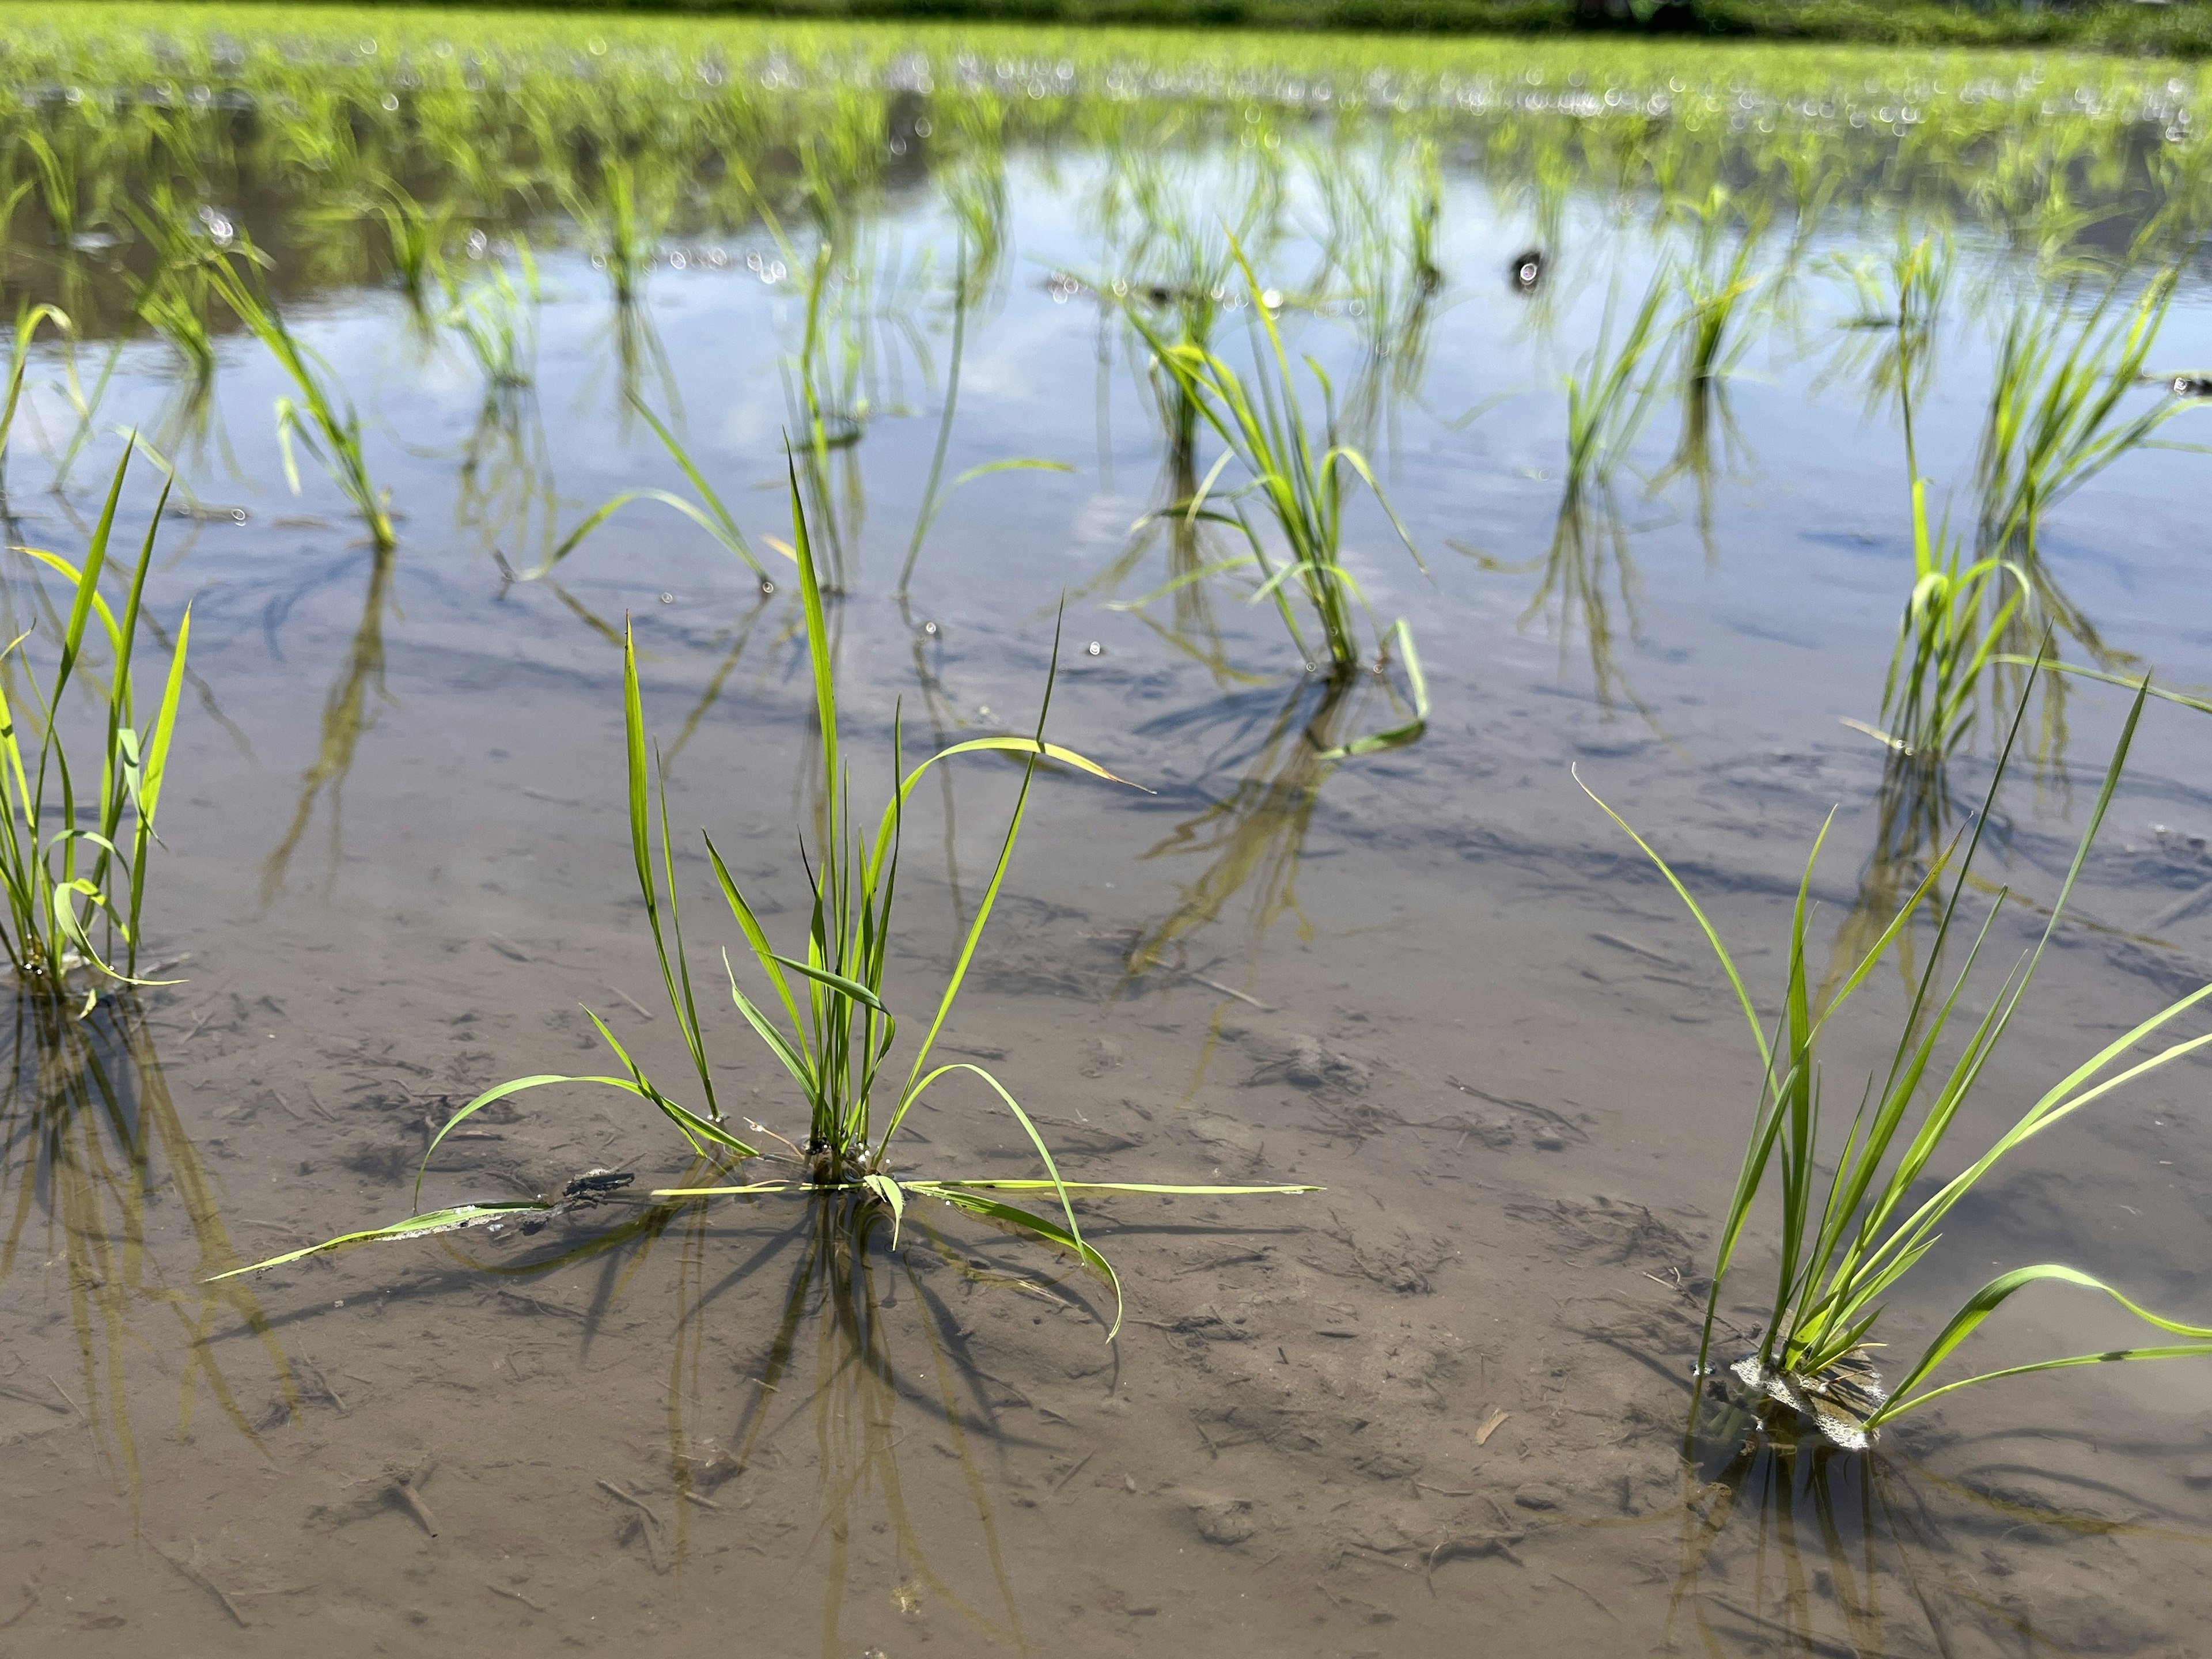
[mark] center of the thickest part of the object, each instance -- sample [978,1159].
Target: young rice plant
[1843,1250]
[824,1016]
[68,859]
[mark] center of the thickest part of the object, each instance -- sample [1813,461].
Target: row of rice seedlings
[1842,1251]
[1297,473]
[495,125]
[837,1033]
[76,824]
[322,420]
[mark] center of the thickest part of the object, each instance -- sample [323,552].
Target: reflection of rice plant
[1587,572]
[92,1155]
[347,714]
[67,858]
[507,470]
[1843,1251]
[1379,264]
[1253,839]
[322,421]
[835,1342]
[840,1032]
[1714,340]
[1297,473]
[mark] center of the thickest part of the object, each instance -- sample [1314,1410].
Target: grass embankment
[2156,27]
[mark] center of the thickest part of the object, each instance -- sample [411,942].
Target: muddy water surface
[1439,1400]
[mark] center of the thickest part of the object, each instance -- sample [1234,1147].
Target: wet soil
[1440,1401]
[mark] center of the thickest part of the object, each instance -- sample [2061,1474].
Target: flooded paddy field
[1627,342]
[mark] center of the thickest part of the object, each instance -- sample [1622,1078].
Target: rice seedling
[74,855]
[1891,333]
[322,420]
[623,224]
[708,512]
[415,243]
[1842,1252]
[1299,474]
[1610,396]
[505,469]
[496,318]
[837,1033]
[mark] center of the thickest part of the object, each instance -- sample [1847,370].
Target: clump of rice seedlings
[322,420]
[496,318]
[77,822]
[1844,1249]
[1610,395]
[1891,330]
[173,301]
[2054,415]
[414,244]
[825,1017]
[1950,635]
[1297,474]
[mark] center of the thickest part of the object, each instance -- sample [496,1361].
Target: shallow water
[1445,1395]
